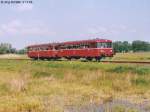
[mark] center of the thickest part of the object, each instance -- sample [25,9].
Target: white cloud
[36,31]
[1,33]
[18,28]
[111,30]
[11,27]
[97,30]
[133,31]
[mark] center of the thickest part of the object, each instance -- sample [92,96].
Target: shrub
[120,69]
[142,71]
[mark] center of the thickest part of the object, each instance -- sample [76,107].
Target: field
[131,56]
[68,86]
[13,56]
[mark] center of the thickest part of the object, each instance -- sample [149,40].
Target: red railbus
[89,49]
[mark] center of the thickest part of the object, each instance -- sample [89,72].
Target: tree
[22,51]
[6,48]
[126,46]
[140,46]
[122,46]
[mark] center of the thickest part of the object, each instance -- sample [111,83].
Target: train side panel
[94,52]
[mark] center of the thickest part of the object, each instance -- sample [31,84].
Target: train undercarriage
[70,58]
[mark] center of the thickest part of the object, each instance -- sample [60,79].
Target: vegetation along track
[134,62]
[106,61]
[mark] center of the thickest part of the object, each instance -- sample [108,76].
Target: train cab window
[104,45]
[109,45]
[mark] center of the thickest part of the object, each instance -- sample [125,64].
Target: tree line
[118,46]
[6,48]
[135,46]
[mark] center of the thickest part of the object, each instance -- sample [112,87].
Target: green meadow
[52,86]
[141,56]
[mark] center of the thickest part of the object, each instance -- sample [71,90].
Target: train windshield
[104,45]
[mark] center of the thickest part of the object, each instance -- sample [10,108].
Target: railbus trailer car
[88,49]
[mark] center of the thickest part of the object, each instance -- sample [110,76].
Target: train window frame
[104,45]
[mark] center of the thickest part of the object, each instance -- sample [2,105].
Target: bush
[141,70]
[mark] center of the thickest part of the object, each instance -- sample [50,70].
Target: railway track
[104,61]
[130,62]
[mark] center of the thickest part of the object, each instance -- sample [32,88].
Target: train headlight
[110,50]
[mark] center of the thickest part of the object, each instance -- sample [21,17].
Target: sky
[46,21]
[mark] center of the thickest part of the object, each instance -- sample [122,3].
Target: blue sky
[47,21]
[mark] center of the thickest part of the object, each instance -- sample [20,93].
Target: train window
[33,49]
[104,45]
[30,49]
[92,45]
[43,48]
[37,49]
[40,49]
[75,46]
[109,45]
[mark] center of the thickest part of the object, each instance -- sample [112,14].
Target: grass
[52,86]
[141,56]
[132,69]
[119,108]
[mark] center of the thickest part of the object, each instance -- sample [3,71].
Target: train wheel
[34,59]
[98,59]
[68,58]
[49,59]
[42,59]
[89,59]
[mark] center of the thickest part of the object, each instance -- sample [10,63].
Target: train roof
[73,42]
[87,41]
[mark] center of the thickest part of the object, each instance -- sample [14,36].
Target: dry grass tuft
[17,85]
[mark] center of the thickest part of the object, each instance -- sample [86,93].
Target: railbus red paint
[89,49]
